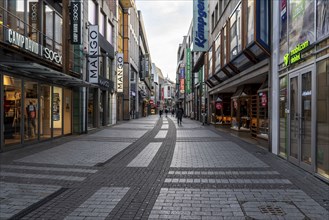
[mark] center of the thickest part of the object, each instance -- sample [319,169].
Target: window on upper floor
[210,66]
[212,21]
[110,34]
[235,33]
[102,23]
[217,53]
[92,12]
[216,15]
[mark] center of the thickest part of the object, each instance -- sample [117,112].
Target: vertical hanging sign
[188,71]
[119,72]
[200,25]
[75,18]
[93,54]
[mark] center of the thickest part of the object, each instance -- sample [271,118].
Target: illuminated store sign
[295,54]
[200,25]
[26,43]
[120,72]
[188,70]
[93,54]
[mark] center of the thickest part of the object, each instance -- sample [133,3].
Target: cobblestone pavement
[152,168]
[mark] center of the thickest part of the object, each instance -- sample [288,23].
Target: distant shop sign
[119,72]
[26,43]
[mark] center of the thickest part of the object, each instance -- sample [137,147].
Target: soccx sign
[26,43]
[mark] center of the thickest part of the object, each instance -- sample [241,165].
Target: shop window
[91,107]
[322,18]
[45,111]
[283,117]
[57,113]
[264,22]
[31,111]
[67,111]
[301,22]
[322,121]
[13,115]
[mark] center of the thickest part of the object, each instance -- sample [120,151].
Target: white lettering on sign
[26,43]
[93,54]
[120,72]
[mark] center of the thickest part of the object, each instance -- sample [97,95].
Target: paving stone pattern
[82,153]
[139,170]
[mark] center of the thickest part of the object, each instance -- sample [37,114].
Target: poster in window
[56,107]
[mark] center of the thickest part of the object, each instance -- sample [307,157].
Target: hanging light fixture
[8,81]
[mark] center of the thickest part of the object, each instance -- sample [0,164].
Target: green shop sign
[295,54]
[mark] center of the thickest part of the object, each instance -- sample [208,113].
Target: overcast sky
[166,22]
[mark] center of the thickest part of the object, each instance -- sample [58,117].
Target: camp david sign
[119,72]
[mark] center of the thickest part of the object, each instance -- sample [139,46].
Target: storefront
[303,85]
[239,65]
[36,95]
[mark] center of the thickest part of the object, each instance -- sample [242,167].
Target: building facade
[300,84]
[41,73]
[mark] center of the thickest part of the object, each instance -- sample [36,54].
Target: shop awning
[40,72]
[264,86]
[245,90]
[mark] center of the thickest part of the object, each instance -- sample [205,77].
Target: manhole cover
[272,210]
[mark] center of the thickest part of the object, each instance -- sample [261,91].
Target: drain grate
[271,210]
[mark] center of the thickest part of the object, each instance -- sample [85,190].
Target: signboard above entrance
[295,55]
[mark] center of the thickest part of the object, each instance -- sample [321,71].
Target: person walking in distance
[179,115]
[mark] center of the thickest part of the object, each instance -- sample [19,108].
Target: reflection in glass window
[322,18]
[210,62]
[322,121]
[264,21]
[57,103]
[250,21]
[16,16]
[102,22]
[49,26]
[31,107]
[92,12]
[109,35]
[58,33]
[217,48]
[33,19]
[283,106]
[235,33]
[283,30]
[301,22]
[224,45]
[12,115]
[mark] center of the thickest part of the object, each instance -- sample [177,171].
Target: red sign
[264,99]
[219,105]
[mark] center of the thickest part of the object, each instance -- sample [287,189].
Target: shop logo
[120,72]
[93,54]
[200,22]
[295,55]
[75,22]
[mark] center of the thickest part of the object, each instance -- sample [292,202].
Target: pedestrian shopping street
[152,168]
